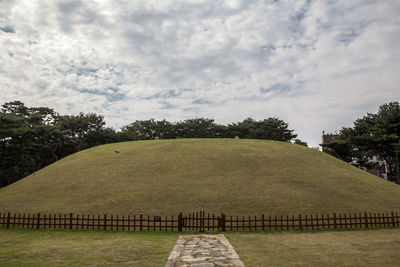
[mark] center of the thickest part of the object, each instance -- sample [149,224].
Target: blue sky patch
[201,101]
[280,88]
[7,29]
[167,105]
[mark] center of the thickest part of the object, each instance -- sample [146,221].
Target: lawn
[344,248]
[62,248]
[81,248]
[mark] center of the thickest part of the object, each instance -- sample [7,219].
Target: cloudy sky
[318,64]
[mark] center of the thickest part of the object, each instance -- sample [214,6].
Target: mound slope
[164,177]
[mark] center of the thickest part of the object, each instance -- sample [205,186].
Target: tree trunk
[22,158]
[39,164]
[53,153]
[78,146]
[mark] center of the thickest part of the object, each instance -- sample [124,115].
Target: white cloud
[316,64]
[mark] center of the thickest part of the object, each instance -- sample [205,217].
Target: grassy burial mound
[164,177]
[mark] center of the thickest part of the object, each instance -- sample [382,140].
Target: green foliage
[196,128]
[190,128]
[32,138]
[16,107]
[340,149]
[148,129]
[77,128]
[299,142]
[102,136]
[372,135]
[268,129]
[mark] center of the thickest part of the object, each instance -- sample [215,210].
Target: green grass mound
[164,177]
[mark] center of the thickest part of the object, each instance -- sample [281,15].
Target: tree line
[33,137]
[374,135]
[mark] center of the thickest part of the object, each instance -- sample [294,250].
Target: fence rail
[199,221]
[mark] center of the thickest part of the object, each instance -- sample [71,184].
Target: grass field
[61,248]
[345,248]
[165,177]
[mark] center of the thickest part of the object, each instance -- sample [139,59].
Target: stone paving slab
[203,251]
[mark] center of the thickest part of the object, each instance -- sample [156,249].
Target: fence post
[263,222]
[393,220]
[203,215]
[334,220]
[200,221]
[300,223]
[223,225]
[8,219]
[70,221]
[366,220]
[38,221]
[105,222]
[180,222]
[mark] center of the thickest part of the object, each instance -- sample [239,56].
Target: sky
[316,64]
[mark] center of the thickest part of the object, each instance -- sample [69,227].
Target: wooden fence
[200,221]
[77,221]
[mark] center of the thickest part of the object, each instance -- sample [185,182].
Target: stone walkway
[203,251]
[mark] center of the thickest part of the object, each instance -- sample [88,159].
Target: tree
[16,108]
[269,129]
[33,137]
[339,148]
[244,129]
[10,160]
[196,128]
[102,136]
[299,142]
[148,129]
[372,135]
[77,128]
[26,134]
